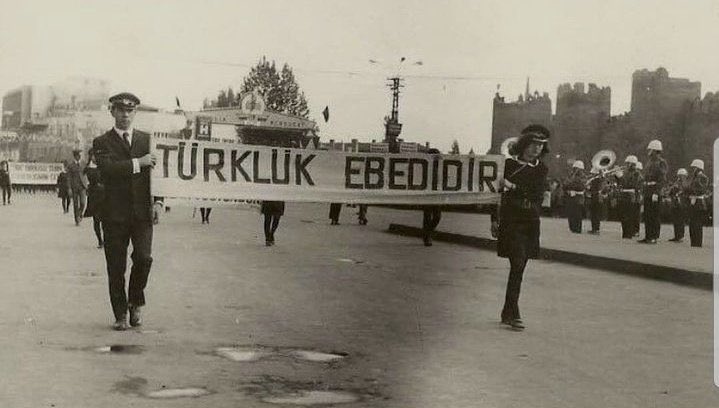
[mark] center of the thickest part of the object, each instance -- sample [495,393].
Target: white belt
[693,197]
[628,190]
[651,183]
[572,193]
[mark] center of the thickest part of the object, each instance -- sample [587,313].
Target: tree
[455,147]
[279,90]
[231,99]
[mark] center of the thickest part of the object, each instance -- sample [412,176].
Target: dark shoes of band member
[269,243]
[593,232]
[676,240]
[120,324]
[427,241]
[100,245]
[647,241]
[135,316]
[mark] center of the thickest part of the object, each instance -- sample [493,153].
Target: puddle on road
[243,354]
[348,260]
[313,398]
[119,349]
[169,393]
[317,356]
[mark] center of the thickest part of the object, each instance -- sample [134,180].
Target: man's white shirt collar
[128,131]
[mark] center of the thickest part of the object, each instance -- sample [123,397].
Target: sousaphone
[506,145]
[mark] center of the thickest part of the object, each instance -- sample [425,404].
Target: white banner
[202,170]
[34,173]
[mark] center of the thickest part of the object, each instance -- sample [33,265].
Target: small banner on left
[34,173]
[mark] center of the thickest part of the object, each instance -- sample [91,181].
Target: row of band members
[628,192]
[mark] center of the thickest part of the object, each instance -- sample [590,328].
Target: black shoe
[100,245]
[516,324]
[428,241]
[268,243]
[120,324]
[135,316]
[643,241]
[651,241]
[593,232]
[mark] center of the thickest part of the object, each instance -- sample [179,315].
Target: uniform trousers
[652,224]
[697,218]
[574,213]
[627,215]
[679,221]
[117,237]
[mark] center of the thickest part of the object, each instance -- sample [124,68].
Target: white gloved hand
[655,198]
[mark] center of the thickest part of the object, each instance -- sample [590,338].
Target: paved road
[556,235]
[418,325]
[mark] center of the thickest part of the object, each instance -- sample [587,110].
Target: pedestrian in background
[63,188]
[5,183]
[205,214]
[78,185]
[335,209]
[95,196]
[272,211]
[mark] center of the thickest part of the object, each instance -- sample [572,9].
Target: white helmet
[640,166]
[578,165]
[631,159]
[698,164]
[655,145]
[682,172]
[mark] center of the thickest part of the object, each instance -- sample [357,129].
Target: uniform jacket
[127,195]
[525,201]
[656,172]
[630,180]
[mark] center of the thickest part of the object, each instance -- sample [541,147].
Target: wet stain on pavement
[279,390]
[243,353]
[313,398]
[171,393]
[317,356]
[119,349]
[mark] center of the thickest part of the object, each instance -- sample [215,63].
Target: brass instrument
[507,144]
[603,160]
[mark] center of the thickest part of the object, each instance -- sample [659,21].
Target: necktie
[125,137]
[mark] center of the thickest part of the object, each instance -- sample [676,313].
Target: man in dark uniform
[655,175]
[639,205]
[78,185]
[596,187]
[574,188]
[127,211]
[677,202]
[697,188]
[627,189]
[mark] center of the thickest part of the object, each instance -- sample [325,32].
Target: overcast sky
[192,49]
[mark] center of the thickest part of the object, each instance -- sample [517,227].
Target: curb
[685,277]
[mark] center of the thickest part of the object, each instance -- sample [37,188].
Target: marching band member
[697,188]
[655,176]
[628,186]
[574,188]
[518,229]
[677,204]
[639,205]
[596,193]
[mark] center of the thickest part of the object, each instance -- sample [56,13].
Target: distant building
[662,107]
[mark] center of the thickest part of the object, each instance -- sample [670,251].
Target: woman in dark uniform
[518,236]
[95,196]
[272,210]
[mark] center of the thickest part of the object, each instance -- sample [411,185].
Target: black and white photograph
[317,203]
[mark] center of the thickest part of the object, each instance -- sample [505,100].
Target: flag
[326,113]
